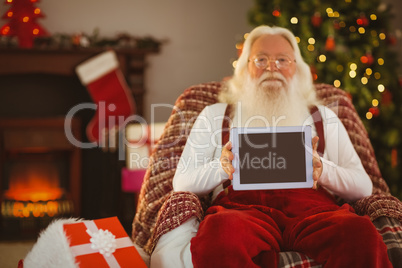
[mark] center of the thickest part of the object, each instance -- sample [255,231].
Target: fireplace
[40,176]
[38,89]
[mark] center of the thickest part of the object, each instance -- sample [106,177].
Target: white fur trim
[96,67]
[52,248]
[173,248]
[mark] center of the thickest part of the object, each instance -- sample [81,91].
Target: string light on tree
[331,13]
[353,67]
[322,58]
[311,42]
[337,83]
[381,88]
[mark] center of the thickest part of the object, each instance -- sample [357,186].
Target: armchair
[161,210]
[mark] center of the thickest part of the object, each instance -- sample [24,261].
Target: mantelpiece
[63,62]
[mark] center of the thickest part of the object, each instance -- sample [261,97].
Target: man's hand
[226,159]
[317,164]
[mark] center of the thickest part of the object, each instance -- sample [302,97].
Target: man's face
[272,47]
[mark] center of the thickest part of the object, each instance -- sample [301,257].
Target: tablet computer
[272,158]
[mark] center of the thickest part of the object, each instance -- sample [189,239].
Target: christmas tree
[349,44]
[22,16]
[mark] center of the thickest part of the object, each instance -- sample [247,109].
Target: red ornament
[316,19]
[386,98]
[367,59]
[362,21]
[22,17]
[330,43]
[391,40]
[394,158]
[313,71]
[337,25]
[375,111]
[276,13]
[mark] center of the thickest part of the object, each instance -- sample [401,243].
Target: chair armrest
[178,208]
[378,205]
[391,231]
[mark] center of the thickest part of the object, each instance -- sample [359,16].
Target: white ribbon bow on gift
[102,242]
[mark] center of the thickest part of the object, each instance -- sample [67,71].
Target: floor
[11,252]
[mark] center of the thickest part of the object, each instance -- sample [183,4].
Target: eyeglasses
[281,62]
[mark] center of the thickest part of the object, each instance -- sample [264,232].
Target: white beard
[269,101]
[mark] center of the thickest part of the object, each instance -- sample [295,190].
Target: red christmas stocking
[110,92]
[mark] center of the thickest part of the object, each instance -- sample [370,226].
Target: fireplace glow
[34,191]
[40,175]
[34,181]
[22,209]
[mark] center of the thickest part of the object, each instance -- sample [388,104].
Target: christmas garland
[82,40]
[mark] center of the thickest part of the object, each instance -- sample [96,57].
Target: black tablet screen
[272,157]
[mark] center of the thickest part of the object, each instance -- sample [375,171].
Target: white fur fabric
[173,248]
[52,248]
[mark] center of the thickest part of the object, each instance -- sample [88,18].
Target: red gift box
[102,243]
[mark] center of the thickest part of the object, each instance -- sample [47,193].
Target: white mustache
[272,75]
